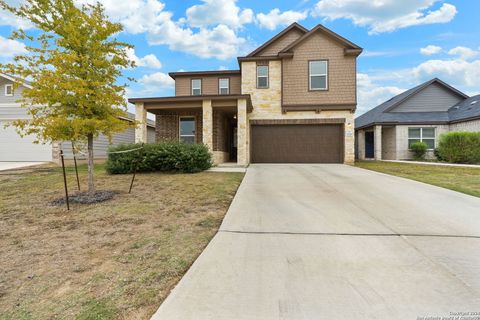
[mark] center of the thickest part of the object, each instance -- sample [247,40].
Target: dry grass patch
[114,260]
[461,179]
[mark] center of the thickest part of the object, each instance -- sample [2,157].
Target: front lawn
[461,179]
[114,260]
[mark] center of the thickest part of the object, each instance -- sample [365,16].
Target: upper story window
[318,75]
[262,77]
[196,87]
[9,90]
[224,86]
[426,135]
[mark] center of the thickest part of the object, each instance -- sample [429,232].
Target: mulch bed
[86,198]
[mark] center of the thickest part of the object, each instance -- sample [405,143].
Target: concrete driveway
[335,242]
[16,165]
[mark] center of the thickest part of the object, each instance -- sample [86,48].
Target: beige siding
[209,84]
[341,73]
[284,41]
[433,98]
[467,126]
[402,139]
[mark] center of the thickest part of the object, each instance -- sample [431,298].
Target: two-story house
[292,101]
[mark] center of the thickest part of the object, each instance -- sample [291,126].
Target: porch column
[207,124]
[361,144]
[141,117]
[242,133]
[378,143]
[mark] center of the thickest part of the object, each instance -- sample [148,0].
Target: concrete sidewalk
[436,163]
[16,165]
[335,242]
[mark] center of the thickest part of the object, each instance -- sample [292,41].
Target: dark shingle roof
[466,109]
[380,113]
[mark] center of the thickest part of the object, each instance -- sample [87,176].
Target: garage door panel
[290,143]
[15,148]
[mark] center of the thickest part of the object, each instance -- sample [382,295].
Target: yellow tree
[73,64]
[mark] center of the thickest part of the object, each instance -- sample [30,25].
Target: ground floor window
[187,129]
[426,135]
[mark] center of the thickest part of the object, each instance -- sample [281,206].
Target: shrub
[168,156]
[419,150]
[437,155]
[460,147]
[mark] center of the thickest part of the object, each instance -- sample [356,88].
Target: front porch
[220,122]
[377,143]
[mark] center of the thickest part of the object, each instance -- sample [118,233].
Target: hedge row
[169,156]
[459,147]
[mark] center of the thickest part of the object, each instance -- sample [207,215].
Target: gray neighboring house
[422,113]
[18,149]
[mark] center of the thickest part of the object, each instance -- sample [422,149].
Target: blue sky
[405,42]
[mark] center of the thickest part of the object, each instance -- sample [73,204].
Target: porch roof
[178,102]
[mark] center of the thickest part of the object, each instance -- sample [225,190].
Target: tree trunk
[91,186]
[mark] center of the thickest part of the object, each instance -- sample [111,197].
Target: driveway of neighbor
[335,242]
[16,165]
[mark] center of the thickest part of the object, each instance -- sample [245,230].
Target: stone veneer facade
[268,103]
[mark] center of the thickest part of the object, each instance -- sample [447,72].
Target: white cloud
[371,94]
[457,72]
[430,50]
[10,48]
[221,42]
[156,82]
[8,19]
[150,17]
[386,15]
[148,61]
[275,18]
[214,12]
[463,52]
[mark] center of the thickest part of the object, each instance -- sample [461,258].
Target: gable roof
[352,47]
[380,114]
[16,79]
[276,37]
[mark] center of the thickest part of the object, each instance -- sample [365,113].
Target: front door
[369,145]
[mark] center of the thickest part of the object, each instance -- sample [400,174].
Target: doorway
[369,145]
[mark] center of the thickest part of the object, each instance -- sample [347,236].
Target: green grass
[461,179]
[114,260]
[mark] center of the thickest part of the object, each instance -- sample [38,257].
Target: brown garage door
[297,143]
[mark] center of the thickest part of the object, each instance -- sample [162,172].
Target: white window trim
[421,136]
[200,88]
[267,77]
[180,135]
[310,75]
[9,86]
[220,85]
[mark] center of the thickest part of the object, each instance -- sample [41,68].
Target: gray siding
[151,135]
[12,112]
[433,98]
[9,99]
[101,144]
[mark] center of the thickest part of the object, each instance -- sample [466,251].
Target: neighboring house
[13,147]
[292,100]
[422,113]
